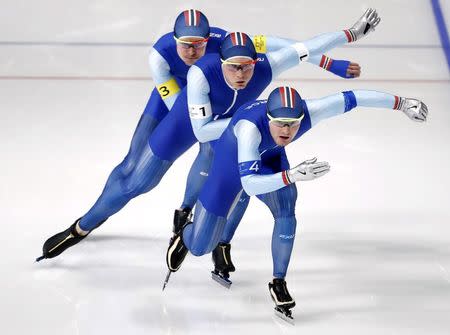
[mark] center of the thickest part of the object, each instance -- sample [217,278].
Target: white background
[372,253]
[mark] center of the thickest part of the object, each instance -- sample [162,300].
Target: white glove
[415,109]
[308,170]
[365,24]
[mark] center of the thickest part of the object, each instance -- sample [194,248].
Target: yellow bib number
[168,88]
[260,43]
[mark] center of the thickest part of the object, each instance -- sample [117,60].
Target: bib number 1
[200,111]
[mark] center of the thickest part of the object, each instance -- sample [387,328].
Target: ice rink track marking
[442,29]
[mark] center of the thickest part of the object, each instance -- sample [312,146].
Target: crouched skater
[250,159]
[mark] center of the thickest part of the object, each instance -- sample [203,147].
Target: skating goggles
[192,44]
[283,121]
[236,66]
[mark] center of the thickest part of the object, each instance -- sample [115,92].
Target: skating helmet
[284,103]
[237,44]
[191,23]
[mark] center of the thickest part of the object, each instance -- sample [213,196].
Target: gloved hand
[308,170]
[415,109]
[353,70]
[365,24]
[344,68]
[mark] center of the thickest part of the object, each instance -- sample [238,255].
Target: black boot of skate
[282,299]
[223,265]
[176,253]
[56,244]
[180,218]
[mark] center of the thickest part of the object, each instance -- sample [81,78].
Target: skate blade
[167,279]
[282,315]
[40,258]
[221,280]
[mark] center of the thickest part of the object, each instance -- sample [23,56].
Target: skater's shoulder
[217,33]
[165,41]
[252,111]
[208,61]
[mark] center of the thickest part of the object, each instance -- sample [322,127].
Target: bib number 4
[254,166]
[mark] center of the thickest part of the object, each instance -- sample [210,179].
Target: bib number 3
[168,88]
[163,91]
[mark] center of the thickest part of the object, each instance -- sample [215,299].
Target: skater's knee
[285,211]
[133,188]
[286,227]
[287,220]
[125,168]
[207,229]
[199,249]
[140,182]
[202,246]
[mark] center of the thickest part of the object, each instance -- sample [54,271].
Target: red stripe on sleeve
[349,36]
[322,61]
[396,102]
[285,178]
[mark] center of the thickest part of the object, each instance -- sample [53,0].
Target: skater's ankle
[80,231]
[185,209]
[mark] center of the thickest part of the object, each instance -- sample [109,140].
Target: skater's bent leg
[217,199]
[147,171]
[282,243]
[282,205]
[154,112]
[197,175]
[202,236]
[143,131]
[235,218]
[138,143]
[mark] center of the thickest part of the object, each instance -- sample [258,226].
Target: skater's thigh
[156,108]
[173,136]
[141,135]
[204,233]
[222,186]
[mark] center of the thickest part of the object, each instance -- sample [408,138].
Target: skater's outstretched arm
[248,140]
[309,50]
[165,82]
[336,104]
[342,68]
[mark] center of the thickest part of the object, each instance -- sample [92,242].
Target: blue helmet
[192,23]
[285,102]
[237,45]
